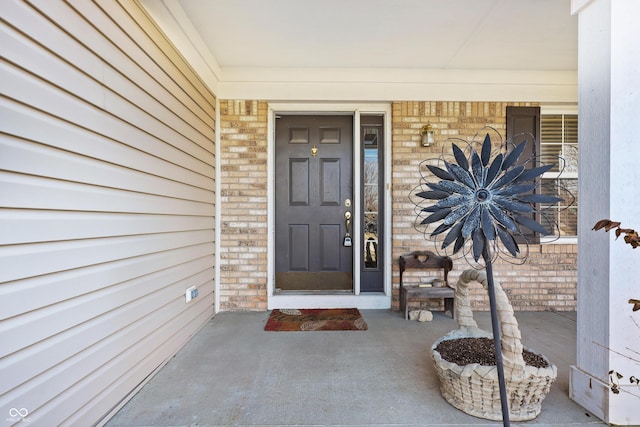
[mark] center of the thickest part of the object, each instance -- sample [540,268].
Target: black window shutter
[523,124]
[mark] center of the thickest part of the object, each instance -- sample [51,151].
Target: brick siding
[243,210]
[547,281]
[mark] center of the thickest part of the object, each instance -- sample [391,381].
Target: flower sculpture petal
[482,199]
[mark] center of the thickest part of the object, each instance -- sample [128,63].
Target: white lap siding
[106,206]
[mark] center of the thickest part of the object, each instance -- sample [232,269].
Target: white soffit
[413,48]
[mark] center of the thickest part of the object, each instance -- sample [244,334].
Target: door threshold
[323,300]
[320,292]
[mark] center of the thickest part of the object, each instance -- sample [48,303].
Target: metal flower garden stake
[487,202]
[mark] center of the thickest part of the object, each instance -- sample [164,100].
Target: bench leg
[448,305]
[404,307]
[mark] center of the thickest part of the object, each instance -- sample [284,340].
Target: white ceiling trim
[398,75]
[173,21]
[381,92]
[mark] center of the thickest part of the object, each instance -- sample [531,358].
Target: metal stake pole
[495,323]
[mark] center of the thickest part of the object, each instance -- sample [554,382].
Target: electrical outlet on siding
[190,294]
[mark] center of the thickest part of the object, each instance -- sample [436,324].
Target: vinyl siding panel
[107,178]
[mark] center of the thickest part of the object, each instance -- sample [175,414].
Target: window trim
[563,240]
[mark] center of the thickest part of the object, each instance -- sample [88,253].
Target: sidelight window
[371,197]
[372,215]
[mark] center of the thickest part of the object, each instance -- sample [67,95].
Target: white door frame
[369,300]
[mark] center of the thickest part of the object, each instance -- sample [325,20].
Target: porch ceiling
[533,35]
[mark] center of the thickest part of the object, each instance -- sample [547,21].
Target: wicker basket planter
[474,388]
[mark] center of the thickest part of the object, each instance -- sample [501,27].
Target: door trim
[380,300]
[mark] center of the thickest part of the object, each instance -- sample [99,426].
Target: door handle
[347,237]
[347,217]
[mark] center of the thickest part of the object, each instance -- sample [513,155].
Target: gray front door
[314,197]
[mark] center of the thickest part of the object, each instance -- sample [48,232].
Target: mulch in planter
[465,351]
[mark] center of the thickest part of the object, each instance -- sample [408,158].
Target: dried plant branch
[631,236]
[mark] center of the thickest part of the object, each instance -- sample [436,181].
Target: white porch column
[608,270]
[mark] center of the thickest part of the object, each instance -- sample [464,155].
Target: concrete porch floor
[233,373]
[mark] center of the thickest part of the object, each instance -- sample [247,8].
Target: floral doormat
[331,319]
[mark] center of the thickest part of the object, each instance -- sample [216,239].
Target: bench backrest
[425,260]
